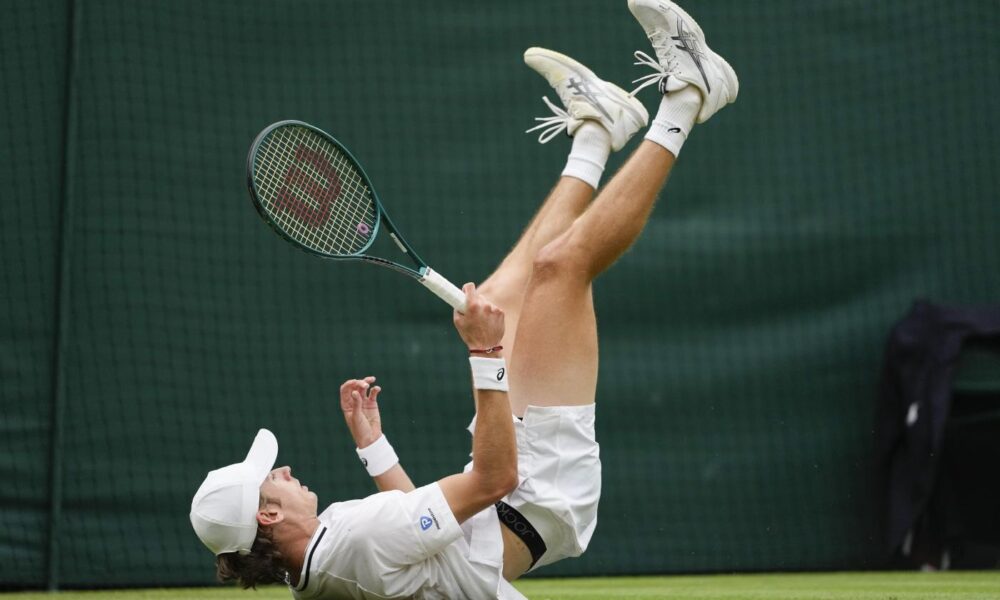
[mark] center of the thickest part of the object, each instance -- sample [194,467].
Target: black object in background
[938,438]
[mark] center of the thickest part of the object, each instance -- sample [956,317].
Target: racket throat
[399,243]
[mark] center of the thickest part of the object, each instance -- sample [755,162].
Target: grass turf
[831,586]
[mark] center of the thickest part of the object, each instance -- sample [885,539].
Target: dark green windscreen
[34,38]
[151,321]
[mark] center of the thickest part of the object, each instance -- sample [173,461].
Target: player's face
[293,497]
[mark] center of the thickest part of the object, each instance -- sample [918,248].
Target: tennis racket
[310,189]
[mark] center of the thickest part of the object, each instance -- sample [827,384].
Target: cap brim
[262,454]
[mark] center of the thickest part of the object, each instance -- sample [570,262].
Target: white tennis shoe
[682,56]
[586,97]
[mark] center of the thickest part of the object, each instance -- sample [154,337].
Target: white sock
[589,154]
[675,118]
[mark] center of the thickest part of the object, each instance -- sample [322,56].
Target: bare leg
[556,359]
[506,286]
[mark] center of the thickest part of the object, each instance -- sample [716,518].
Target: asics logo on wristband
[378,456]
[488,373]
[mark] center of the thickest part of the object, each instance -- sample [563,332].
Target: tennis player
[529,497]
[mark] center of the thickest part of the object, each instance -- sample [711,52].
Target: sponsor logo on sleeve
[429,519]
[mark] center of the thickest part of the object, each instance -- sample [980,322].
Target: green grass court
[834,586]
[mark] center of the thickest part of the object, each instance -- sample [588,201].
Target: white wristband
[378,457]
[489,373]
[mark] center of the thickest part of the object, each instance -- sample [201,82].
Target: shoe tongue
[576,105]
[578,109]
[669,84]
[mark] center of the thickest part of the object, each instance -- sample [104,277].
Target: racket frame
[422,272]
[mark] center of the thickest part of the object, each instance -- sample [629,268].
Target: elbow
[494,486]
[505,484]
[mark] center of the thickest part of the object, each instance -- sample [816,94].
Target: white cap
[224,509]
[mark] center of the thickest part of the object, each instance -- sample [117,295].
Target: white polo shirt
[404,545]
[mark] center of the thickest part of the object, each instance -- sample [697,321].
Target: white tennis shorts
[559,473]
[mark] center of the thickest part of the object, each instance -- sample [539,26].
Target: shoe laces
[551,126]
[665,52]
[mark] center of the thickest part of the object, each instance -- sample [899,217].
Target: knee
[562,257]
[503,290]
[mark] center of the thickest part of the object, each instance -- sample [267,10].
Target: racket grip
[443,289]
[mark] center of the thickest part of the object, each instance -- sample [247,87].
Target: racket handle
[443,289]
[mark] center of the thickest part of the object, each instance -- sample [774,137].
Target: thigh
[555,362]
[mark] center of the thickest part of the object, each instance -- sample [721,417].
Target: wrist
[365,443]
[489,373]
[378,456]
[497,354]
[495,351]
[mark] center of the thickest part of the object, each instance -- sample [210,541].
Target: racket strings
[313,225]
[284,179]
[312,191]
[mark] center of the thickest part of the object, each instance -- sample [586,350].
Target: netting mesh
[740,339]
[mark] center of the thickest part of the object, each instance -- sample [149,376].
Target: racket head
[312,191]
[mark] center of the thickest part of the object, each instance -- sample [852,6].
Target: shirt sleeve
[411,527]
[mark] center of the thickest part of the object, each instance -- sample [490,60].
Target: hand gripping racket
[310,189]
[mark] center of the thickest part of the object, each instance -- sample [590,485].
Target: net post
[62,303]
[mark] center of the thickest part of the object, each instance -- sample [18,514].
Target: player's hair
[264,564]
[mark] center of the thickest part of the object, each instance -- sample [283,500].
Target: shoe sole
[575,66]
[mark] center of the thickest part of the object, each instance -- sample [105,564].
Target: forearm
[494,459]
[394,479]
[380,460]
[494,448]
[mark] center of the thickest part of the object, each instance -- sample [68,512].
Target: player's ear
[269,514]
